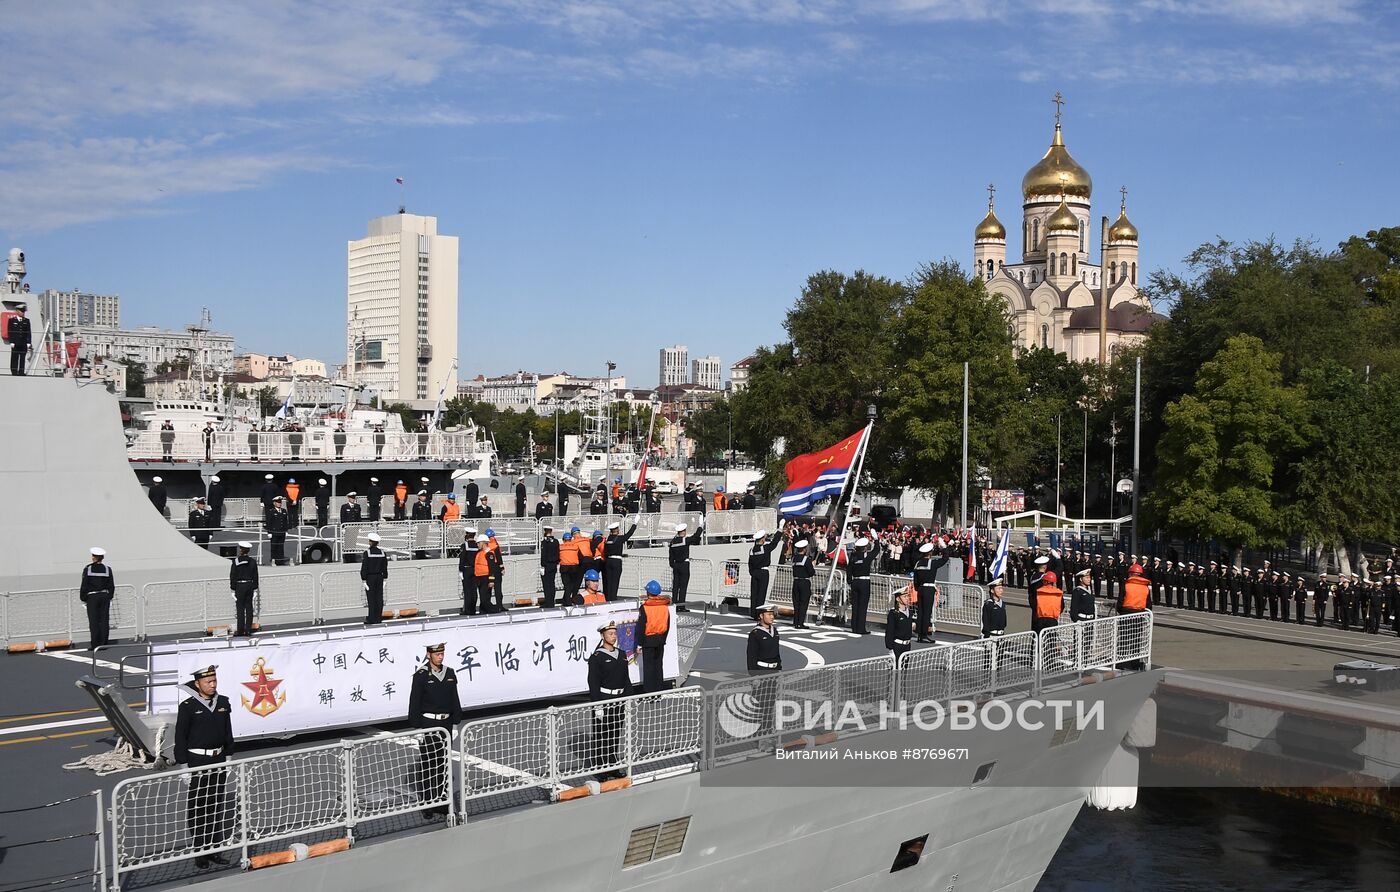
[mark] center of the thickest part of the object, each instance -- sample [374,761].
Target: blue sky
[625,174]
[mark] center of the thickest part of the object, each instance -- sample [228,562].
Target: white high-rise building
[706,372]
[674,365]
[65,310]
[401,302]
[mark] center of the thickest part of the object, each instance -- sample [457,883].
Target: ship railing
[48,616]
[399,538]
[202,604]
[1066,651]
[968,668]
[313,445]
[960,604]
[740,523]
[256,808]
[638,570]
[537,756]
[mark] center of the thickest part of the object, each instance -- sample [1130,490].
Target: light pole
[1113,467]
[1084,481]
[962,499]
[1057,465]
[1137,443]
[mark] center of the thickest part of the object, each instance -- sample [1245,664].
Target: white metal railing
[58,614]
[313,445]
[262,802]
[1069,649]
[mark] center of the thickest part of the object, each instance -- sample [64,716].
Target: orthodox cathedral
[1054,292]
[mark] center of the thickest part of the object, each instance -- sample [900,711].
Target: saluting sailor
[433,703]
[608,679]
[802,573]
[926,584]
[204,736]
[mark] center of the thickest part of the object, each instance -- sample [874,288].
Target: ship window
[654,841]
[910,851]
[984,771]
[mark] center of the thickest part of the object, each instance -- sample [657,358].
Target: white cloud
[1265,12]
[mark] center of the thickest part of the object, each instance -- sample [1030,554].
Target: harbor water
[1229,839]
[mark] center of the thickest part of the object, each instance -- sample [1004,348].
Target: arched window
[989,269]
[1074,264]
[1021,274]
[1083,234]
[1045,336]
[1064,264]
[1123,271]
[1000,264]
[1025,237]
[1112,273]
[1134,279]
[1032,277]
[1035,235]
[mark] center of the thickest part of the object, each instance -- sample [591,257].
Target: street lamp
[1057,465]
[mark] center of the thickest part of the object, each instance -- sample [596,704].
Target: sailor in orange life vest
[653,625]
[1049,603]
[1136,591]
[593,588]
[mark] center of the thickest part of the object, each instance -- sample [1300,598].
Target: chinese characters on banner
[302,681]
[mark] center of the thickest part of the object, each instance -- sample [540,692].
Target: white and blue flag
[999,562]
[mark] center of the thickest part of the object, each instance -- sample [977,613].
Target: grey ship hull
[1000,835]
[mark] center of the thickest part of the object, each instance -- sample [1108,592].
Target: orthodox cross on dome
[1059,105]
[991,193]
[1123,191]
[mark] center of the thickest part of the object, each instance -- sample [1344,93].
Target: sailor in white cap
[215,495]
[157,495]
[519,496]
[614,550]
[678,556]
[374,499]
[269,491]
[466,569]
[19,335]
[802,573]
[322,498]
[243,583]
[608,679]
[374,569]
[926,588]
[96,591]
[1042,565]
[199,522]
[763,654]
[350,511]
[858,573]
[760,558]
[994,611]
[899,625]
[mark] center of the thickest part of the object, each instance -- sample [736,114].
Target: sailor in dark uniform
[278,522]
[802,573]
[608,679]
[678,556]
[994,611]
[433,703]
[760,557]
[157,494]
[858,576]
[615,550]
[323,502]
[926,584]
[374,499]
[899,626]
[520,497]
[466,569]
[204,736]
[549,564]
[350,511]
[374,569]
[216,502]
[243,582]
[764,654]
[96,591]
[199,521]
[20,334]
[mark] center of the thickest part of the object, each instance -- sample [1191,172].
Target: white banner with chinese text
[361,675]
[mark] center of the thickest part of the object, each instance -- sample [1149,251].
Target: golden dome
[1057,174]
[1062,219]
[1122,230]
[990,227]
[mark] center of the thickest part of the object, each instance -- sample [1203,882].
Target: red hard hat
[1135,568]
[1050,577]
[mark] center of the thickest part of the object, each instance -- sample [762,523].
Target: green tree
[950,319]
[1224,446]
[268,400]
[135,377]
[812,390]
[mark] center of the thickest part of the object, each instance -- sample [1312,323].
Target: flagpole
[841,532]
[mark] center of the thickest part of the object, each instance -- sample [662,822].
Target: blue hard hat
[591,576]
[597,534]
[719,489]
[653,588]
[617,479]
[452,497]
[568,536]
[291,480]
[575,530]
[490,532]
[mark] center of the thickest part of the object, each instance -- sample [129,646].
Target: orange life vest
[293,491]
[719,501]
[451,511]
[591,597]
[1049,602]
[568,553]
[1135,593]
[400,493]
[658,615]
[493,545]
[913,592]
[483,563]
[617,491]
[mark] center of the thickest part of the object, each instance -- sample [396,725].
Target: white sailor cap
[374,480]
[321,482]
[422,492]
[214,479]
[862,542]
[800,543]
[267,476]
[766,608]
[615,525]
[1084,572]
[97,552]
[480,538]
[997,581]
[926,548]
[760,535]
[155,479]
[681,528]
[373,537]
[1042,560]
[350,494]
[246,544]
[611,624]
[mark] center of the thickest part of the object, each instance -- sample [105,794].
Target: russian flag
[972,552]
[815,475]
